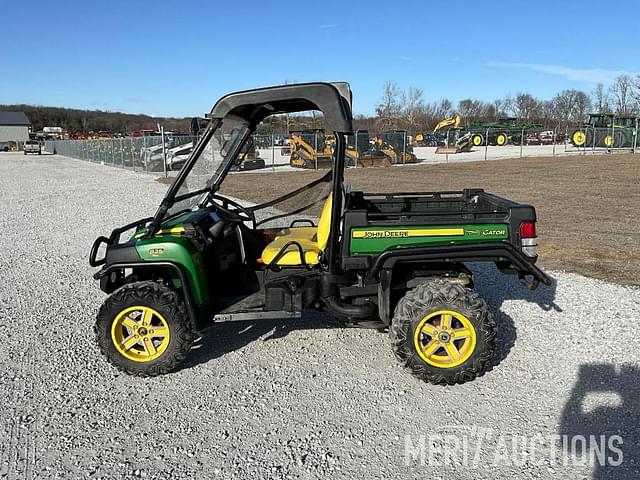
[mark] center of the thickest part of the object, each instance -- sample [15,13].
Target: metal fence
[146,154]
[314,149]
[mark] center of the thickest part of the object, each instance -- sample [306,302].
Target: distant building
[14,127]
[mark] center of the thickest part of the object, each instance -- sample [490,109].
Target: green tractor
[501,132]
[396,262]
[606,130]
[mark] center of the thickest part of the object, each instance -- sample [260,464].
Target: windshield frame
[217,177]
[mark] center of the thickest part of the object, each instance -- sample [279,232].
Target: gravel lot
[302,399]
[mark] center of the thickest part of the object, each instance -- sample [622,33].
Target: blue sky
[177,58]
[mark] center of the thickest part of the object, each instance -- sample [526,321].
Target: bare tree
[601,99]
[412,108]
[389,107]
[526,106]
[622,92]
[509,106]
[445,108]
[581,106]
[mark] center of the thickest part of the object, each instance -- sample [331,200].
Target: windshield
[214,159]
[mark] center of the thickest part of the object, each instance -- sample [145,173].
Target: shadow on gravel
[601,421]
[224,338]
[496,287]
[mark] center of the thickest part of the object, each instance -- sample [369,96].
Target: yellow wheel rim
[477,140]
[140,334]
[445,339]
[608,140]
[501,139]
[579,138]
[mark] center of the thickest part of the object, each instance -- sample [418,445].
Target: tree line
[407,109]
[75,120]
[396,109]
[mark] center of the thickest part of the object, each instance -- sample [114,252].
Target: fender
[192,309]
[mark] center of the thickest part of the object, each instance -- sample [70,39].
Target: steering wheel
[239,214]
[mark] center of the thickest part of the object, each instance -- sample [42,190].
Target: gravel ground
[302,399]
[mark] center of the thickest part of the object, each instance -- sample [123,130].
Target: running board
[261,315]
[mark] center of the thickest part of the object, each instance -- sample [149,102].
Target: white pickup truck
[32,146]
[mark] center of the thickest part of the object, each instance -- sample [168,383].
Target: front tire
[477,140]
[443,332]
[143,329]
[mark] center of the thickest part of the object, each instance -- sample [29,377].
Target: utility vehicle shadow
[227,337]
[601,415]
[490,283]
[495,288]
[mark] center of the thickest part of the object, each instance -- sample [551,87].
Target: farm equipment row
[458,138]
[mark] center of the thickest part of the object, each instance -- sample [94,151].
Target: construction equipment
[453,122]
[455,140]
[390,261]
[362,153]
[395,145]
[429,139]
[606,130]
[310,149]
[248,158]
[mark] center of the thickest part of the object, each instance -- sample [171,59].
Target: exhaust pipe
[364,311]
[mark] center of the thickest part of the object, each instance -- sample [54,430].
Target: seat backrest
[324,224]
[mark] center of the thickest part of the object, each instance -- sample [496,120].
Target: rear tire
[119,321]
[501,139]
[430,356]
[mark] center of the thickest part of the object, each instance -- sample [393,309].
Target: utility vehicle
[392,261]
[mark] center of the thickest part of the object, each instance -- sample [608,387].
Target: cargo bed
[467,225]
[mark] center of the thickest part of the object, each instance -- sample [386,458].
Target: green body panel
[374,240]
[177,249]
[504,124]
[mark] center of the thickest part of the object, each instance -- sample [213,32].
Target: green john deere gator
[393,261]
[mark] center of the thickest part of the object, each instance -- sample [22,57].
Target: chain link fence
[314,149]
[144,154]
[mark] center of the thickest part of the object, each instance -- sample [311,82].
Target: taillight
[528,230]
[529,238]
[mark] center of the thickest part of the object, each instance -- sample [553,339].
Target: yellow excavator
[362,153]
[311,149]
[395,145]
[455,141]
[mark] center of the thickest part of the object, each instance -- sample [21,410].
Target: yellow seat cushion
[313,241]
[292,255]
[307,233]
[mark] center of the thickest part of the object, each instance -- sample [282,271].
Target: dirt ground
[588,206]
